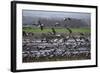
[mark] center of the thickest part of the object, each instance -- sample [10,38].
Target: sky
[57,14]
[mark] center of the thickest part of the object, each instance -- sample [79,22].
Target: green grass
[58,30]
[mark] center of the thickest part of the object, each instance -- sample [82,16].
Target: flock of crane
[52,47]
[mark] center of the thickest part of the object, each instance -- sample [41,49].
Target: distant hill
[50,22]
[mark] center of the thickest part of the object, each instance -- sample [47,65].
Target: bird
[70,31]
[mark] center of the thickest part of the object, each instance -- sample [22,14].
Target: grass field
[59,30]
